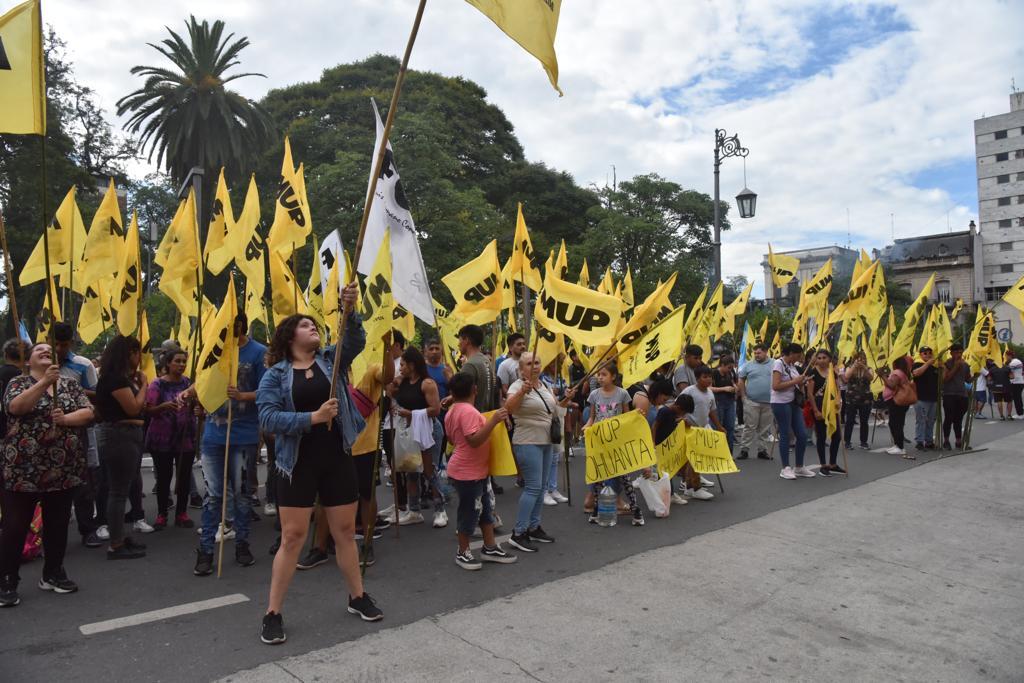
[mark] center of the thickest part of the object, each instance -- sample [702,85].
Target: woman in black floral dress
[44,462]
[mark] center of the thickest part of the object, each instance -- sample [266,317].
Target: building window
[1020,176]
[1019,154]
[905,286]
[1006,223]
[1004,201]
[1005,268]
[1000,179]
[1020,222]
[1003,156]
[942,291]
[1020,199]
[1006,246]
[1001,134]
[995,293]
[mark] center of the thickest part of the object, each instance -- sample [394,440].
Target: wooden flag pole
[377,166]
[10,280]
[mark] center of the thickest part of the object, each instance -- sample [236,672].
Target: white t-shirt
[703,404]
[508,372]
[982,380]
[788,372]
[1016,371]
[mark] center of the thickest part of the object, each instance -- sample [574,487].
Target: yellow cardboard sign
[708,451]
[617,446]
[503,464]
[671,452]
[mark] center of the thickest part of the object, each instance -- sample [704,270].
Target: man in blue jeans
[245,432]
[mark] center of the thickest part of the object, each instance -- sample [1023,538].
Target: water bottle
[607,502]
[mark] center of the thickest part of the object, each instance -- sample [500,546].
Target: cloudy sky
[857,115]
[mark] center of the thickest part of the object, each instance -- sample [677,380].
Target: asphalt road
[414,577]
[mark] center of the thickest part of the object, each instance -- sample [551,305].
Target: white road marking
[161,614]
[991,422]
[476,545]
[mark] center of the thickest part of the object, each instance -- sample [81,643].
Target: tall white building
[999,148]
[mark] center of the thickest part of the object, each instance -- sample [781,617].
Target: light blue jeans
[213,473]
[553,470]
[924,412]
[534,462]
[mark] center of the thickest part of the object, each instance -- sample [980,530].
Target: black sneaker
[946,446]
[9,596]
[638,519]
[919,446]
[130,543]
[836,469]
[824,471]
[382,523]
[522,542]
[763,455]
[58,583]
[540,536]
[314,558]
[743,455]
[467,561]
[367,559]
[204,563]
[496,554]
[867,446]
[243,555]
[125,552]
[360,534]
[365,607]
[272,632]
[91,540]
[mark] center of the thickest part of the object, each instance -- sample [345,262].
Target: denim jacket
[277,408]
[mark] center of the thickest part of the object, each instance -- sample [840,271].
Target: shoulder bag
[905,394]
[555,429]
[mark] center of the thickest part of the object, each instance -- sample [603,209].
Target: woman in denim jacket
[314,435]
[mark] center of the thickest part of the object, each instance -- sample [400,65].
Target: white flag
[390,209]
[331,251]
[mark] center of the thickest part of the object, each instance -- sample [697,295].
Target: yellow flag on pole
[522,265]
[23,74]
[127,285]
[47,316]
[66,234]
[104,245]
[217,252]
[817,287]
[654,308]
[95,315]
[218,362]
[627,289]
[332,298]
[247,245]
[475,287]
[660,344]
[861,291]
[782,267]
[378,301]
[696,312]
[285,292]
[830,403]
[148,366]
[532,24]
[314,290]
[584,316]
[292,223]
[584,280]
[183,256]
[901,345]
[1015,295]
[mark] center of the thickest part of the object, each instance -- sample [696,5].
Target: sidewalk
[917,576]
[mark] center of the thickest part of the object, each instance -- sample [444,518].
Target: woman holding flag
[314,433]
[817,388]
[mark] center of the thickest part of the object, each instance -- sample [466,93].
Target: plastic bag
[408,457]
[657,494]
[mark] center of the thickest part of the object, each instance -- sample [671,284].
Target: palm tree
[186,115]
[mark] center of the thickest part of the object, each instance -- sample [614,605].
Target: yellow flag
[562,261]
[607,285]
[332,298]
[314,294]
[654,308]
[284,290]
[523,263]
[861,291]
[1015,295]
[182,292]
[148,366]
[66,235]
[661,344]
[877,299]
[127,286]
[247,245]
[163,250]
[957,307]
[696,312]
[775,348]
[95,315]
[584,280]
[47,316]
[830,403]
[618,445]
[502,463]
[762,334]
[582,315]
[378,302]
[532,24]
[291,215]
[403,321]
[475,287]
[183,257]
[860,265]
[550,345]
[254,309]
[977,349]
[783,267]
[627,289]
[23,75]
[901,345]
[217,253]
[218,362]
[104,245]
[819,286]
[943,334]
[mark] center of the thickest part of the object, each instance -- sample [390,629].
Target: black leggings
[121,454]
[164,465]
[953,410]
[862,413]
[897,418]
[819,440]
[18,511]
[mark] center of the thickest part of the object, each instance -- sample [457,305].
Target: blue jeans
[534,462]
[790,419]
[727,416]
[213,473]
[476,506]
[924,412]
[552,484]
[429,488]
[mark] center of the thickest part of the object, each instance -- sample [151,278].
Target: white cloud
[647,83]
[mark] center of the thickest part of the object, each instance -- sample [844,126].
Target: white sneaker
[700,494]
[895,450]
[143,528]
[386,512]
[678,499]
[704,481]
[549,499]
[270,510]
[559,498]
[899,451]
[103,532]
[803,472]
[409,517]
[787,473]
[440,519]
[229,536]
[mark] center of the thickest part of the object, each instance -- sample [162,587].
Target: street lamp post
[725,147]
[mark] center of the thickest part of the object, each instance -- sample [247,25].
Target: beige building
[950,255]
[810,261]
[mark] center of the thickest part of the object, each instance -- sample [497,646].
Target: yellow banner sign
[503,464]
[708,451]
[671,452]
[617,446]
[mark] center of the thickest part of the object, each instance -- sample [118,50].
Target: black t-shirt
[308,394]
[720,378]
[664,424]
[820,381]
[927,384]
[7,373]
[110,410]
[999,379]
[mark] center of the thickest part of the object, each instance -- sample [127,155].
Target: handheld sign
[502,462]
[708,451]
[671,452]
[617,446]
